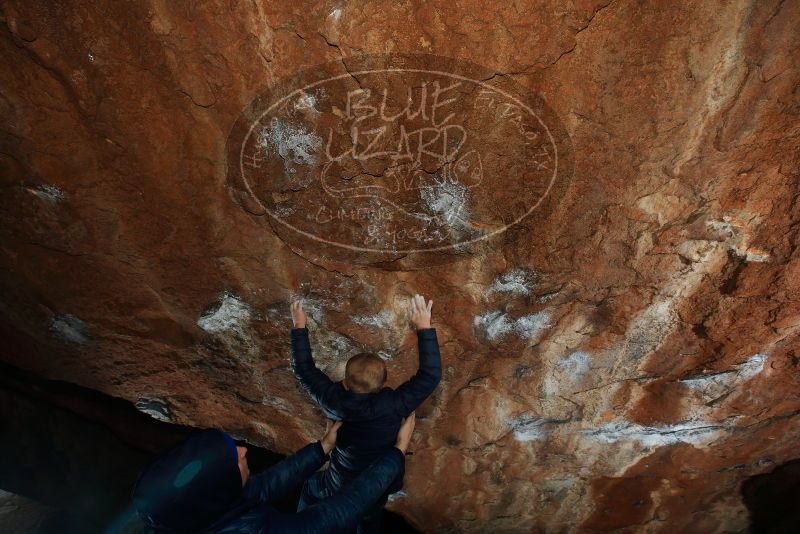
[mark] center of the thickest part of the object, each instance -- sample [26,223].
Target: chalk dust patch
[495,325]
[229,314]
[566,374]
[714,386]
[70,328]
[578,362]
[306,101]
[693,432]
[397,495]
[385,355]
[530,326]
[383,319]
[296,146]
[516,282]
[279,404]
[527,428]
[155,408]
[50,193]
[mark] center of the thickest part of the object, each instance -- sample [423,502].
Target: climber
[204,485]
[371,412]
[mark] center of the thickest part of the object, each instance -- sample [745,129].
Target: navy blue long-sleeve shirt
[371,420]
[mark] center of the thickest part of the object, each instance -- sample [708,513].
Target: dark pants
[313,492]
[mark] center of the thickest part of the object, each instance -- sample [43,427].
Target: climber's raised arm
[322,389]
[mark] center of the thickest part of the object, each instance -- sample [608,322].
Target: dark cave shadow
[79,451]
[773,500]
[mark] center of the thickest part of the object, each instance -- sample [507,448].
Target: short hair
[365,373]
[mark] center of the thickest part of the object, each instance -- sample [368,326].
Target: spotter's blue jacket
[197,487]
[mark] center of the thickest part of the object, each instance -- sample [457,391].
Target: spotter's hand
[405,433]
[328,441]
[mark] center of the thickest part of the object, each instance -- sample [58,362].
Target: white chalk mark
[278,403]
[516,282]
[385,355]
[495,325]
[306,101]
[577,362]
[529,326]
[448,200]
[47,192]
[230,314]
[751,367]
[379,320]
[293,144]
[155,408]
[528,428]
[693,432]
[397,495]
[70,328]
[716,385]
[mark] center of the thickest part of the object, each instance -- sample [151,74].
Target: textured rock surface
[623,362]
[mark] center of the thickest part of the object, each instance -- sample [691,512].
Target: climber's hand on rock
[298,315]
[421,311]
[405,433]
[328,441]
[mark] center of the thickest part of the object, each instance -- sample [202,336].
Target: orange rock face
[600,197]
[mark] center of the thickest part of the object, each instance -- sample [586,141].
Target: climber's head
[365,373]
[193,485]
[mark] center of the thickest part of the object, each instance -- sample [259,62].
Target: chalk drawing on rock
[417,133]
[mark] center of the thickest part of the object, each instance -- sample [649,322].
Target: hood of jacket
[191,486]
